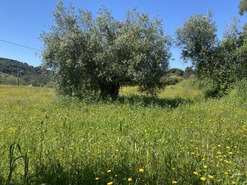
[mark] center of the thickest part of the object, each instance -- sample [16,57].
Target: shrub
[241,87]
[171,80]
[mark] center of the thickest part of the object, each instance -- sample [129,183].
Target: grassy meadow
[176,138]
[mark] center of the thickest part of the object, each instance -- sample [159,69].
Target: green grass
[177,138]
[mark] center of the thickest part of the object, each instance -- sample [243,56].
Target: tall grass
[177,138]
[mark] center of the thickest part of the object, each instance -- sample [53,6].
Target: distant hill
[12,71]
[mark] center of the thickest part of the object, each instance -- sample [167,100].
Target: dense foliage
[221,63]
[98,56]
[176,71]
[12,70]
[242,6]
[189,72]
[197,38]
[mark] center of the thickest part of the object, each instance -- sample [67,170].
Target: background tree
[241,54]
[214,61]
[242,41]
[228,60]
[188,71]
[242,7]
[198,41]
[220,62]
[176,71]
[98,56]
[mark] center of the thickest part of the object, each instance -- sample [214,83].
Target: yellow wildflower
[130,179]
[203,178]
[108,171]
[141,170]
[195,173]
[110,183]
[210,176]
[205,166]
[174,182]
[97,178]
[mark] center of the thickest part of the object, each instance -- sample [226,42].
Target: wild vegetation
[180,136]
[176,138]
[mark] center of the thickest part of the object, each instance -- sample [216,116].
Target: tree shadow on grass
[146,101]
[88,174]
[133,100]
[54,174]
[77,173]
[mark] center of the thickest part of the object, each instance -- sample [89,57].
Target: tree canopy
[197,39]
[221,62]
[242,7]
[96,56]
[176,71]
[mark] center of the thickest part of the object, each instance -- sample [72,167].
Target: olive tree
[198,41]
[240,54]
[241,50]
[221,62]
[214,60]
[242,7]
[96,56]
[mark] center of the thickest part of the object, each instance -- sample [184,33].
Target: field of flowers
[176,138]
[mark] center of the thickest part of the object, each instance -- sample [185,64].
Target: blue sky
[22,22]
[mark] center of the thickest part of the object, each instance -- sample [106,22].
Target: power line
[20,45]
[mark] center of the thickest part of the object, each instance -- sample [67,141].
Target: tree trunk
[109,90]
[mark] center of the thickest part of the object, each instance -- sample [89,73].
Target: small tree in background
[241,51]
[98,56]
[188,71]
[197,38]
[176,71]
[214,61]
